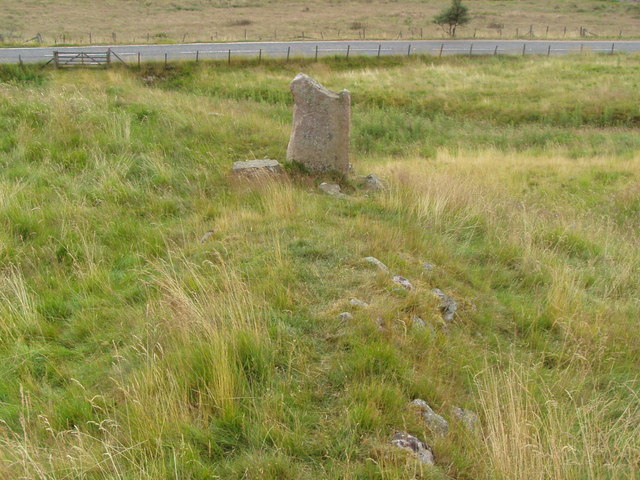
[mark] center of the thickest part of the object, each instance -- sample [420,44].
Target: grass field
[132,349]
[129,21]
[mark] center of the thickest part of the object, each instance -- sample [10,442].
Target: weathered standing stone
[414,445]
[436,423]
[320,133]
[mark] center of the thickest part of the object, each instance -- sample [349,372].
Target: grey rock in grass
[332,189]
[321,121]
[372,182]
[377,263]
[467,417]
[256,167]
[402,282]
[436,423]
[345,316]
[448,305]
[356,302]
[418,322]
[206,235]
[428,266]
[416,446]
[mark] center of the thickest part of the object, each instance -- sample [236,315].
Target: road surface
[129,53]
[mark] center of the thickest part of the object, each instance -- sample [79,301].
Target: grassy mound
[133,347]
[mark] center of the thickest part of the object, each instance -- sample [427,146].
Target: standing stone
[320,133]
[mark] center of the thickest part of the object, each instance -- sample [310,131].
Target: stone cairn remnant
[321,121]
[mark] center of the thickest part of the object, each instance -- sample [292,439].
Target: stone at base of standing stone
[414,445]
[321,121]
[371,182]
[332,189]
[252,168]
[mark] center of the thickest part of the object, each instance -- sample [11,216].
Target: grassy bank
[134,347]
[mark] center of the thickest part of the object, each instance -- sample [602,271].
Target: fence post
[260,56]
[549,51]
[379,48]
[139,59]
[475,30]
[409,51]
[166,55]
[565,31]
[288,52]
[20,59]
[348,49]
[613,47]
[316,53]
[364,33]
[420,33]
[229,57]
[197,55]
[441,48]
[471,49]
[524,49]
[90,41]
[108,57]
[495,51]
[546,34]
[55,58]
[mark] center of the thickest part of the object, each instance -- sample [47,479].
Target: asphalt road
[129,53]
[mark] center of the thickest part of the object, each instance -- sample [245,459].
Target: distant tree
[452,17]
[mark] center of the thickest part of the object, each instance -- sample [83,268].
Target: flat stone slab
[256,167]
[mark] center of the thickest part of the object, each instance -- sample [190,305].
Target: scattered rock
[345,316]
[416,446]
[448,305]
[436,423]
[332,189]
[403,282]
[428,266]
[206,235]
[358,303]
[417,321]
[467,417]
[257,167]
[321,121]
[377,263]
[372,182]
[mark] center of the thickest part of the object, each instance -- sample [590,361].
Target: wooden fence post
[260,56]
[613,47]
[197,55]
[348,49]
[471,50]
[524,49]
[229,57]
[379,48]
[166,57]
[549,51]
[139,59]
[441,48]
[316,53]
[495,51]
[56,60]
[288,53]
[409,51]
[108,58]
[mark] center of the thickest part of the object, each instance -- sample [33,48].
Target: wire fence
[135,55]
[356,31]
